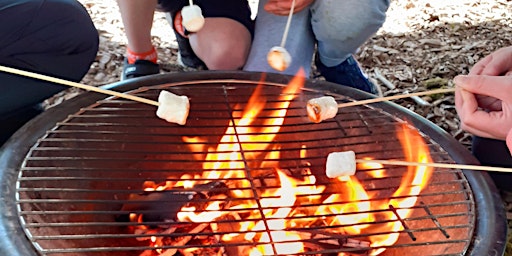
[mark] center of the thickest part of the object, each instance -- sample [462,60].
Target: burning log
[164,205]
[155,206]
[318,240]
[199,228]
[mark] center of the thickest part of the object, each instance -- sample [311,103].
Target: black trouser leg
[494,153]
[52,37]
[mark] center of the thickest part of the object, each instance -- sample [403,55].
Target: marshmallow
[173,108]
[340,164]
[279,58]
[193,19]
[321,108]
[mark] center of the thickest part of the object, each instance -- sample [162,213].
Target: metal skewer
[438,165]
[394,97]
[78,85]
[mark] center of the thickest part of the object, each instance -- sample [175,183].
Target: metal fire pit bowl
[66,175]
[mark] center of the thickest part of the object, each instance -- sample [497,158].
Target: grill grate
[81,181]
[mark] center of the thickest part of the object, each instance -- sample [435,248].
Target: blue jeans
[338,27]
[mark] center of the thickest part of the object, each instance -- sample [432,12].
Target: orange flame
[268,221]
[413,182]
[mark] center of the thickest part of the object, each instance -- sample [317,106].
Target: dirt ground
[422,45]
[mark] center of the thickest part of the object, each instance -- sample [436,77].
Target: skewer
[78,85]
[437,165]
[326,107]
[394,97]
[288,22]
[278,57]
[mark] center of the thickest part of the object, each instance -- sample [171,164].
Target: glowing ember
[268,221]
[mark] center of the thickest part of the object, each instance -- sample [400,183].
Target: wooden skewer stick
[394,97]
[438,165]
[78,85]
[287,26]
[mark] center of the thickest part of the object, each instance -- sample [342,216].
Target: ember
[274,211]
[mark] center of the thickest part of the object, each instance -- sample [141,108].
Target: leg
[494,153]
[224,41]
[141,57]
[222,44]
[341,27]
[137,19]
[52,37]
[269,30]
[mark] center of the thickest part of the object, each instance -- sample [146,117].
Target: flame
[378,170]
[267,222]
[347,214]
[413,182]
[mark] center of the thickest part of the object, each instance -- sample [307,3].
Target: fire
[268,219]
[413,182]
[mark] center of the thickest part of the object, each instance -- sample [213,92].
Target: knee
[73,22]
[352,20]
[226,58]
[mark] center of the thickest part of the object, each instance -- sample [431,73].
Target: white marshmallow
[321,108]
[173,108]
[340,164]
[193,19]
[279,58]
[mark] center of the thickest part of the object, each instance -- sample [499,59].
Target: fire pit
[244,176]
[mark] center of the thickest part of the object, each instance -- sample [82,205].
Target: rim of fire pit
[489,236]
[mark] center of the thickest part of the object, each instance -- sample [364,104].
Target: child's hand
[282,7]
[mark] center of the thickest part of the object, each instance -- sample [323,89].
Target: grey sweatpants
[338,27]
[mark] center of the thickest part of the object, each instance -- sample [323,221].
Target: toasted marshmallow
[279,58]
[321,108]
[173,108]
[340,164]
[193,19]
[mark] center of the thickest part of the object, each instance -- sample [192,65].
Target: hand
[498,63]
[491,118]
[282,7]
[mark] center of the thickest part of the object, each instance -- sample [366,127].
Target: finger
[475,120]
[479,67]
[278,7]
[271,6]
[496,64]
[467,105]
[458,99]
[492,124]
[484,127]
[480,133]
[493,86]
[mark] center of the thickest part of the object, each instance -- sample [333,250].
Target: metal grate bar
[75,182]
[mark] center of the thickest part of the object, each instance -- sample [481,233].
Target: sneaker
[347,73]
[139,68]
